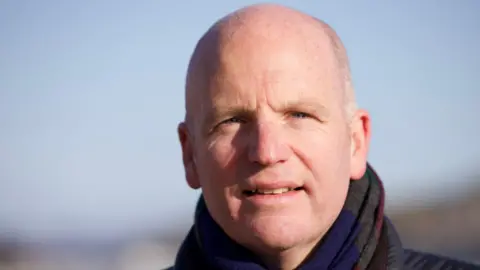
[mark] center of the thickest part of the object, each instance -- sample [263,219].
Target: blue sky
[91,93]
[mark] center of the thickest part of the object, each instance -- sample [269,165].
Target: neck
[286,260]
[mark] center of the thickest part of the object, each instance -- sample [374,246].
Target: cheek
[327,160]
[326,154]
[218,178]
[321,146]
[218,165]
[222,151]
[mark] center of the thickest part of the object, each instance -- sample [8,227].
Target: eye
[227,124]
[232,120]
[300,115]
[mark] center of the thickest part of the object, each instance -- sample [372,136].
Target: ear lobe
[188,158]
[360,135]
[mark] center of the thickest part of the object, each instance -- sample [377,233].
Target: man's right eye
[225,124]
[232,120]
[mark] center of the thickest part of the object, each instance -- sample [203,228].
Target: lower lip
[261,199]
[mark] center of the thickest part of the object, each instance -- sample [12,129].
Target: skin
[268,99]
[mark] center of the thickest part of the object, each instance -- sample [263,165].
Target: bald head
[257,28]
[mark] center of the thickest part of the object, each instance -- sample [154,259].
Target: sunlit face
[273,149]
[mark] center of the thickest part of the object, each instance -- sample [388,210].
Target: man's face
[272,146]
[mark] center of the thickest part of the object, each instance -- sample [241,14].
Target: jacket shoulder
[421,260]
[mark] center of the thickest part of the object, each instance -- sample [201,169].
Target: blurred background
[91,93]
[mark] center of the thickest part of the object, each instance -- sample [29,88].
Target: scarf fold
[350,243]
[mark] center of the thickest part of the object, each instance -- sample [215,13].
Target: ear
[360,142]
[188,156]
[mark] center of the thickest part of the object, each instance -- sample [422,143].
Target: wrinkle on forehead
[251,32]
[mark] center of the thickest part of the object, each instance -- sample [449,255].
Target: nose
[268,144]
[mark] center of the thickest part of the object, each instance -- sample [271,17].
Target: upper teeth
[272,191]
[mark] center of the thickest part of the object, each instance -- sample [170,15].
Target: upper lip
[271,185]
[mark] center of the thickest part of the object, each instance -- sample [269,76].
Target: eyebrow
[314,107]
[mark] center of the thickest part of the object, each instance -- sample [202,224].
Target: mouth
[271,192]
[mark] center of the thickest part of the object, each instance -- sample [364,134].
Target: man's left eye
[300,115]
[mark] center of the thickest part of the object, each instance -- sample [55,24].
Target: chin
[280,232]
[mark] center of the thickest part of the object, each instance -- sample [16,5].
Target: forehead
[282,68]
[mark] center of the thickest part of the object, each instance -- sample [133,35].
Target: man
[273,137]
